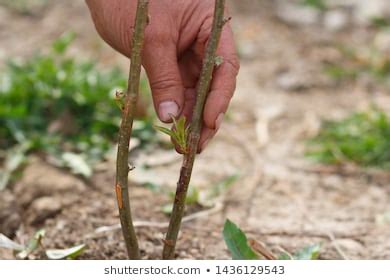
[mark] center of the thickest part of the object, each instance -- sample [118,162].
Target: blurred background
[302,158]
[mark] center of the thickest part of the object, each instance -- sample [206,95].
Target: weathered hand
[175,42]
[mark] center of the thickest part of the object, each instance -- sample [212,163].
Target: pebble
[297,14]
[335,20]
[10,219]
[43,208]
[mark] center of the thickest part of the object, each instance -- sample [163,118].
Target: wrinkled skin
[175,42]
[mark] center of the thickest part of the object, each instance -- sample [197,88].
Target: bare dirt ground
[281,198]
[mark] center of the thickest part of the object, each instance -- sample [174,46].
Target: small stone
[382,42]
[37,181]
[10,219]
[43,208]
[248,49]
[297,14]
[335,20]
[349,245]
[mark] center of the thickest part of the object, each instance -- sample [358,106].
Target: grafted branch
[203,87]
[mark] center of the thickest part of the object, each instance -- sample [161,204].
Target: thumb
[162,68]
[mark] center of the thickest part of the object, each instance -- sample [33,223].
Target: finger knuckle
[164,84]
[234,62]
[225,94]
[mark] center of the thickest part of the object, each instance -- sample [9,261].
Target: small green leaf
[77,164]
[167,208]
[13,161]
[61,44]
[70,253]
[179,133]
[32,245]
[192,196]
[15,157]
[7,243]
[119,99]
[308,253]
[237,242]
[165,130]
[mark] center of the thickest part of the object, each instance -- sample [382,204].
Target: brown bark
[203,87]
[129,110]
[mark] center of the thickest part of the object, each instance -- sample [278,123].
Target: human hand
[175,42]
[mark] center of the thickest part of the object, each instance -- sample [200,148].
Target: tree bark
[128,112]
[203,87]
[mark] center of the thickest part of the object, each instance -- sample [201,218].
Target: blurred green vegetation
[27,7]
[200,198]
[357,63]
[64,107]
[381,22]
[317,4]
[361,138]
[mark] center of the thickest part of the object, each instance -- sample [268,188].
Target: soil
[281,198]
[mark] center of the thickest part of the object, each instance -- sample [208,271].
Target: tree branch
[203,87]
[130,102]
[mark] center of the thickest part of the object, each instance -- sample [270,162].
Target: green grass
[381,22]
[362,138]
[63,106]
[26,7]
[359,63]
[316,4]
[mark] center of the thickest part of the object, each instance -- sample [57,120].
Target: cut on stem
[130,102]
[203,87]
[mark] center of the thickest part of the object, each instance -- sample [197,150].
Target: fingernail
[219,120]
[166,109]
[205,143]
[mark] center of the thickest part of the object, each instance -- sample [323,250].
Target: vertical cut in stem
[203,87]
[122,165]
